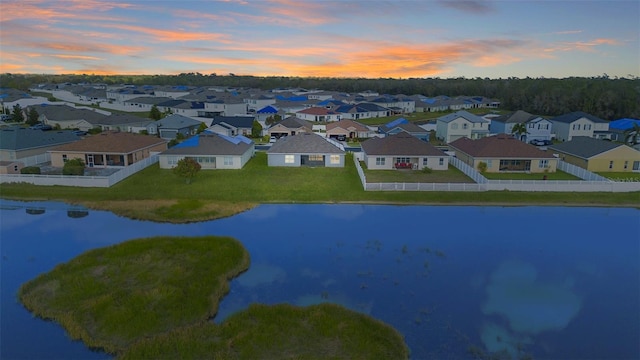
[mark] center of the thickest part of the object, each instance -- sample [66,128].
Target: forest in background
[605,97]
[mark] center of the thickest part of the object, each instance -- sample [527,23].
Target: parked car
[41,126]
[272,139]
[538,142]
[341,138]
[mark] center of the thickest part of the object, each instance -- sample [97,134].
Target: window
[15,168]
[489,164]
[315,157]
[587,126]
[454,126]
[576,126]
[334,159]
[172,160]
[636,165]
[531,126]
[441,161]
[228,160]
[402,160]
[611,164]
[288,159]
[380,161]
[464,126]
[64,158]
[626,165]
[543,164]
[425,161]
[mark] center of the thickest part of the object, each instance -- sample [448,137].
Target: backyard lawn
[558,175]
[621,176]
[452,175]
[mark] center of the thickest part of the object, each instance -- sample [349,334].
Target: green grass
[325,331]
[558,175]
[111,297]
[451,175]
[621,176]
[159,195]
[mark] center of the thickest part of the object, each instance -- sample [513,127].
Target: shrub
[427,170]
[73,167]
[482,166]
[30,170]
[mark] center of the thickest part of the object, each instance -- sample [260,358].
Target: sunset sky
[322,38]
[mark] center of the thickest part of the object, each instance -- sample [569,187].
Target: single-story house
[597,155]
[172,125]
[403,125]
[232,125]
[290,126]
[318,114]
[18,142]
[403,151]
[349,129]
[68,117]
[306,149]
[503,153]
[108,149]
[10,167]
[211,151]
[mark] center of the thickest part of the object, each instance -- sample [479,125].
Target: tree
[273,119]
[202,127]
[155,114]
[519,129]
[73,167]
[32,117]
[18,116]
[256,129]
[187,168]
[482,166]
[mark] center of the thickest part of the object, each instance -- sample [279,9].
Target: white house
[579,123]
[461,124]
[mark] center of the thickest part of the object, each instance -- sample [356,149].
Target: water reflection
[449,278]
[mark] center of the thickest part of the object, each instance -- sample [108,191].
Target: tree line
[602,96]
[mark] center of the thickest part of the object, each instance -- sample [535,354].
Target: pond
[551,282]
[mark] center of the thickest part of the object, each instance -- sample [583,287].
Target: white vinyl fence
[81,181]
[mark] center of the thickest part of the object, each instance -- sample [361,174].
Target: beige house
[598,155]
[403,151]
[503,153]
[349,129]
[290,126]
[10,167]
[108,149]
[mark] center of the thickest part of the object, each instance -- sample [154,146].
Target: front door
[90,160]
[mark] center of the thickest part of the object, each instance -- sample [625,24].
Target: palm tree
[633,135]
[519,129]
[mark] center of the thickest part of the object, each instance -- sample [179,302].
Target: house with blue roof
[211,151]
[400,104]
[259,102]
[461,124]
[362,111]
[403,125]
[579,123]
[626,130]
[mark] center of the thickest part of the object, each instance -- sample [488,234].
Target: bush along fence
[81,181]
[591,182]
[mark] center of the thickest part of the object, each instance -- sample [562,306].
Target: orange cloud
[170,35]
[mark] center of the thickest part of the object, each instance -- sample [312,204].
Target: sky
[323,38]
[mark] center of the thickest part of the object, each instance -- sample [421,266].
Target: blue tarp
[190,142]
[623,124]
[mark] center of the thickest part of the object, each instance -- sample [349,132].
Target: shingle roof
[501,145]
[346,124]
[462,114]
[519,117]
[293,122]
[315,110]
[211,144]
[18,138]
[573,116]
[400,144]
[67,113]
[236,121]
[584,147]
[176,121]
[305,143]
[112,142]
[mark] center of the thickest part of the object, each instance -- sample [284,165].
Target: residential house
[626,131]
[68,117]
[349,129]
[259,102]
[402,151]
[362,111]
[579,123]
[399,104]
[597,155]
[290,126]
[232,125]
[172,125]
[122,122]
[211,151]
[173,92]
[231,106]
[11,167]
[18,142]
[503,153]
[108,149]
[537,127]
[403,125]
[318,114]
[461,124]
[306,149]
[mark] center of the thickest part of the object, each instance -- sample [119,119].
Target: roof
[519,117]
[315,110]
[293,122]
[18,138]
[346,124]
[403,124]
[501,145]
[462,114]
[305,143]
[176,121]
[236,121]
[400,144]
[624,124]
[124,119]
[268,110]
[112,142]
[584,147]
[576,115]
[211,144]
[67,113]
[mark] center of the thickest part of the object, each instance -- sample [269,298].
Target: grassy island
[155,297]
[158,195]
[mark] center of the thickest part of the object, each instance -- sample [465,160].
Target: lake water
[553,282]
